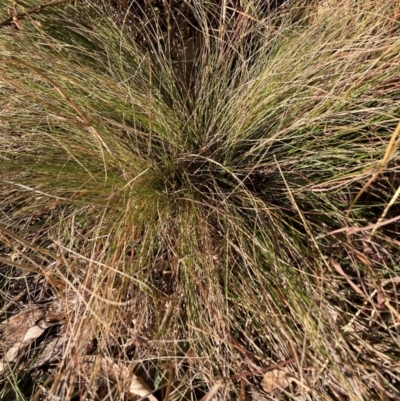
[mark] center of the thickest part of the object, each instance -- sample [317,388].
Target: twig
[36,10]
[354,230]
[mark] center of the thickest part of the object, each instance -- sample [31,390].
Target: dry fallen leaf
[116,372]
[275,379]
[13,330]
[140,388]
[21,336]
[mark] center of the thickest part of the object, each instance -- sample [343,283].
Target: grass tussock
[200,214]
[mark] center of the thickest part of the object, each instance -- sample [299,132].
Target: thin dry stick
[354,230]
[223,17]
[36,10]
[169,384]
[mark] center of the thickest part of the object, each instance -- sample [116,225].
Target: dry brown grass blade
[53,281]
[263,370]
[392,310]
[169,384]
[390,150]
[40,251]
[385,212]
[213,390]
[354,230]
[85,118]
[339,269]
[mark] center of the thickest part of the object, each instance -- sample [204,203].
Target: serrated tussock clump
[198,191]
